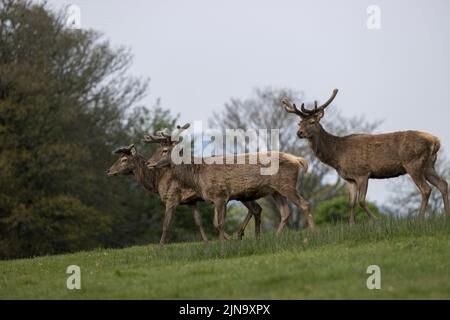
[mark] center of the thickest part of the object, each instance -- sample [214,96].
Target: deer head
[125,164]
[161,157]
[309,123]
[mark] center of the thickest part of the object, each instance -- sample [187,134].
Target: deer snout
[301,133]
[109,173]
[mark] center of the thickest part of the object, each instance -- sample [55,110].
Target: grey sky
[200,53]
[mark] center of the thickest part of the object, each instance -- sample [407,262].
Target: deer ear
[133,150]
[123,150]
[319,115]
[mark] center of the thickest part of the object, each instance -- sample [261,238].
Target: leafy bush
[337,210]
[54,225]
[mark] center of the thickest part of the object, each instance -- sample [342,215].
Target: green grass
[331,263]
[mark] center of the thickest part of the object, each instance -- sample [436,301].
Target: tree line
[67,100]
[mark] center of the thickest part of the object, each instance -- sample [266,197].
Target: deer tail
[436,146]
[301,173]
[304,163]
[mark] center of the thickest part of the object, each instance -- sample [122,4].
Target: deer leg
[352,192]
[170,208]
[244,224]
[432,177]
[362,198]
[198,220]
[285,211]
[215,219]
[302,204]
[257,215]
[425,190]
[216,224]
[254,209]
[221,207]
[305,208]
[226,235]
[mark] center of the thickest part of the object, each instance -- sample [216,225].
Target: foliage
[66,101]
[336,210]
[54,225]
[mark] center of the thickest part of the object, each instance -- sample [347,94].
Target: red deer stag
[360,157]
[161,182]
[219,183]
[164,137]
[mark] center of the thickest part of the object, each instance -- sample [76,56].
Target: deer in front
[162,183]
[220,183]
[360,157]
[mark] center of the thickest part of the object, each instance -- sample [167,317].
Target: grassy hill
[331,263]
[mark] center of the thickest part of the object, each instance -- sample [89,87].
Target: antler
[309,112]
[292,108]
[322,107]
[124,150]
[176,135]
[155,139]
[164,135]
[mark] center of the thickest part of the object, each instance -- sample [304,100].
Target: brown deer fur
[219,183]
[360,157]
[161,182]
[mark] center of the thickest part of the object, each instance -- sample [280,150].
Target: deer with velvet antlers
[220,183]
[360,157]
[161,182]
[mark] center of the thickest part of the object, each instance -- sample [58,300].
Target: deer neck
[187,175]
[325,146]
[145,176]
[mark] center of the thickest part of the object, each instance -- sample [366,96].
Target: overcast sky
[200,53]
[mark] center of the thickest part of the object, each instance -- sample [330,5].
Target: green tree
[66,101]
[54,224]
